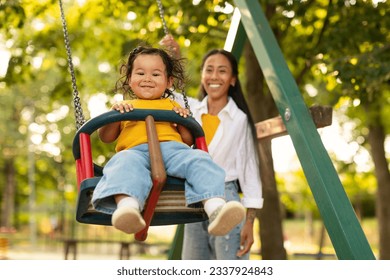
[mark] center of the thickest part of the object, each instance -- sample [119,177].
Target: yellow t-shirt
[133,133]
[210,124]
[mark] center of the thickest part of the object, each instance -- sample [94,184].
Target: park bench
[125,247]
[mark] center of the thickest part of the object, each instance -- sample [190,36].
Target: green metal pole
[336,210]
[177,244]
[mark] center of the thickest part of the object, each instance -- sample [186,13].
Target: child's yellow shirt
[133,133]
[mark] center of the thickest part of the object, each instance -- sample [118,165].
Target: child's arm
[110,132]
[185,134]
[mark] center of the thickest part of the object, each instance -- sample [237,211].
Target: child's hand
[182,111]
[122,107]
[183,131]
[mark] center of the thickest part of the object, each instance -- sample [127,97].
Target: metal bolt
[287,114]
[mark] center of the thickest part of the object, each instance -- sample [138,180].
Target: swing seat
[170,208]
[165,206]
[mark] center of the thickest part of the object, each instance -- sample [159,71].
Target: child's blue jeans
[128,172]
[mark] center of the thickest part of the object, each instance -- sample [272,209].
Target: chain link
[166,32]
[162,14]
[79,116]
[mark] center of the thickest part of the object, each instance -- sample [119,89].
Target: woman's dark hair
[174,68]
[235,92]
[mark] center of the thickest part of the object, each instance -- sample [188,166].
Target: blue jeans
[128,172]
[199,245]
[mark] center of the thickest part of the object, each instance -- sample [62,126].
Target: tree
[357,62]
[343,58]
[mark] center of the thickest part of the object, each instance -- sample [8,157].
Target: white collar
[229,110]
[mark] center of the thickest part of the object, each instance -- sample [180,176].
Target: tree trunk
[262,107]
[271,231]
[376,139]
[8,199]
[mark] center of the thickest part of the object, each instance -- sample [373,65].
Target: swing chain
[79,116]
[186,105]
[166,32]
[161,12]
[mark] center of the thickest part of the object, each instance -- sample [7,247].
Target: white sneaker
[225,218]
[128,220]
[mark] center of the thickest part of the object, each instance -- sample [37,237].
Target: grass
[302,238]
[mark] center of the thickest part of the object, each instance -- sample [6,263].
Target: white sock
[210,205]
[129,202]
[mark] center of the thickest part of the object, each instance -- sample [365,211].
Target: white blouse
[232,148]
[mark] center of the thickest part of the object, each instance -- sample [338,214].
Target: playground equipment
[340,220]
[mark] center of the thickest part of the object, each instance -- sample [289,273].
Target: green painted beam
[177,244]
[344,230]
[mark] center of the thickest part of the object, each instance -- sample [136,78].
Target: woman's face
[217,76]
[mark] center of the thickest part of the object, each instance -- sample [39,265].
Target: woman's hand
[171,44]
[247,239]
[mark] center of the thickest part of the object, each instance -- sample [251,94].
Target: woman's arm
[247,239]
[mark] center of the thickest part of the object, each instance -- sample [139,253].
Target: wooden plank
[272,128]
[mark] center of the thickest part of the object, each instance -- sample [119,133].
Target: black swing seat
[170,208]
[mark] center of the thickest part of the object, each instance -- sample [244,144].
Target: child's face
[217,76]
[148,78]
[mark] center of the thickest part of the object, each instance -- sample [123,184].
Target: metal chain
[79,116]
[161,12]
[166,32]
